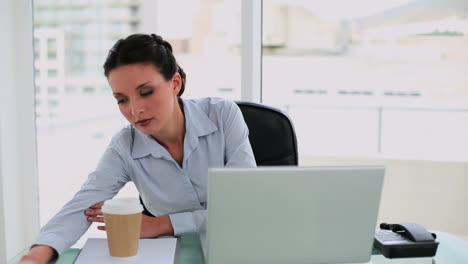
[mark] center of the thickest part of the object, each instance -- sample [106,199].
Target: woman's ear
[177,81]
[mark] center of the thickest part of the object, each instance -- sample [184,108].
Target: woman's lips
[144,122]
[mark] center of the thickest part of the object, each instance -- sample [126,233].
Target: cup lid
[122,206]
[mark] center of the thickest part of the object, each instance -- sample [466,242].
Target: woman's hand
[95,214]
[40,254]
[150,226]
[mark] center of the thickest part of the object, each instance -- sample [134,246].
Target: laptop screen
[292,214]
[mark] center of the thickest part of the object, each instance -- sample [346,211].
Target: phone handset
[405,240]
[412,231]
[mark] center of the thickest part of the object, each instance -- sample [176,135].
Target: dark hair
[142,48]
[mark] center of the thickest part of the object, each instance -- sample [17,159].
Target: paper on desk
[154,251]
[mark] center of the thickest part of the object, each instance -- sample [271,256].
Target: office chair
[271,135]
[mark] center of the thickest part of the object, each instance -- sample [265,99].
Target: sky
[339,9]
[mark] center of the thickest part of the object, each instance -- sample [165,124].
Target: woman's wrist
[39,254]
[156,227]
[165,225]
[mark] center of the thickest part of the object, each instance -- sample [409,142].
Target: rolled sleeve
[189,222]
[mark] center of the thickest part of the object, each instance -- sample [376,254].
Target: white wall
[18,173]
[430,193]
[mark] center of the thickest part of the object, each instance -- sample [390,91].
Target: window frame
[19,205]
[251,50]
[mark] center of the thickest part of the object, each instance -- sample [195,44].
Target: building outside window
[381,79]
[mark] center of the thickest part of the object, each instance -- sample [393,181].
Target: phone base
[407,251]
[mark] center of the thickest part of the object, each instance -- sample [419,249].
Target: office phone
[405,240]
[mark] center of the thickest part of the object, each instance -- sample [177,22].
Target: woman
[166,151]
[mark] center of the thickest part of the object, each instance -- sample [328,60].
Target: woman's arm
[70,223]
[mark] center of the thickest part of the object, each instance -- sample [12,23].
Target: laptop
[292,214]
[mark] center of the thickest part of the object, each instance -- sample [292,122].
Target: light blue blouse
[216,136]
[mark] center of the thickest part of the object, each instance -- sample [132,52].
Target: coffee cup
[123,222]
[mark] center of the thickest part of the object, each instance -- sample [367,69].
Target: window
[53,103]
[134,10]
[370,78]
[52,48]
[51,55]
[88,90]
[51,44]
[51,73]
[36,48]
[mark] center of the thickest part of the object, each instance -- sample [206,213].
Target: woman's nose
[136,108]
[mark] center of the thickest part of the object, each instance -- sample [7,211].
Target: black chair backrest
[271,134]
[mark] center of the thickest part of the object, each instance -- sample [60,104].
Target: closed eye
[121,101]
[146,93]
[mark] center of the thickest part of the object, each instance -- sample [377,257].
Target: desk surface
[452,250]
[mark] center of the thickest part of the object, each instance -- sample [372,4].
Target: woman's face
[145,98]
